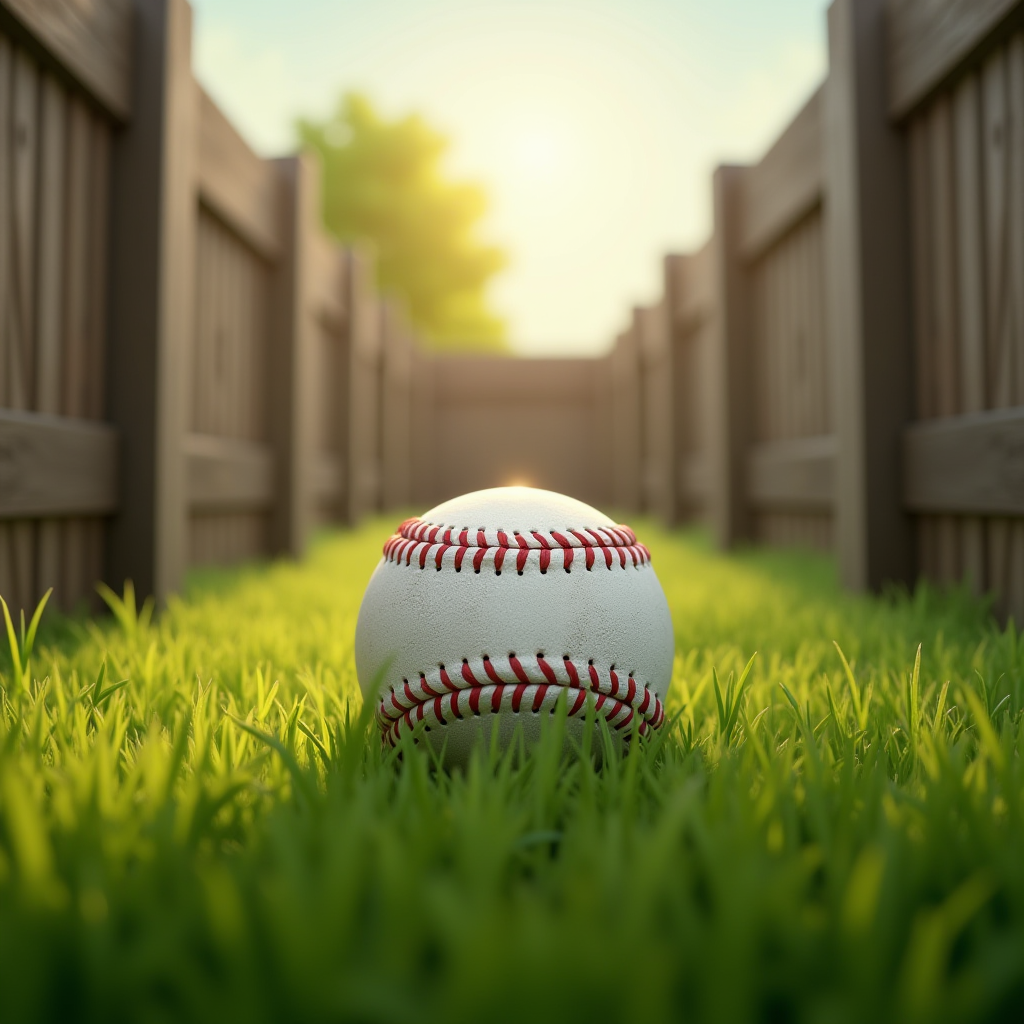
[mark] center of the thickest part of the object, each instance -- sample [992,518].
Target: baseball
[492,605]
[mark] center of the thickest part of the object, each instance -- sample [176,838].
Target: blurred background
[589,130]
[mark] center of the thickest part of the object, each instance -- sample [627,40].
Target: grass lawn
[197,823]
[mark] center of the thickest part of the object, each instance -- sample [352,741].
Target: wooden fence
[191,371]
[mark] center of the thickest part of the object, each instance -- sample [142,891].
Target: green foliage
[384,181]
[197,821]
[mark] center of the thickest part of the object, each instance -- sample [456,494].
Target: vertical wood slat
[970,292]
[920,192]
[729,369]
[292,362]
[76,320]
[869,320]
[363,456]
[49,297]
[6,565]
[151,317]
[20,309]
[995,151]
[943,291]
[1014,598]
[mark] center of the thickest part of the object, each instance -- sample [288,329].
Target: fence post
[869,299]
[729,359]
[152,253]
[292,361]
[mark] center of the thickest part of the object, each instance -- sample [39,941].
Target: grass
[197,822]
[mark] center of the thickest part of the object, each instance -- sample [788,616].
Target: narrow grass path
[197,822]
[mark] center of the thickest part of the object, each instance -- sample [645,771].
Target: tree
[384,180]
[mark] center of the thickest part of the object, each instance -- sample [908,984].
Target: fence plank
[971,291]
[995,150]
[151,316]
[21,312]
[49,312]
[365,389]
[729,372]
[293,361]
[943,340]
[868,289]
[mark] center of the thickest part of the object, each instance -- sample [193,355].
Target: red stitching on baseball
[421,541]
[439,699]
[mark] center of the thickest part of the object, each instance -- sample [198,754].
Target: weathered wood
[971,290]
[999,250]
[231,340]
[793,475]
[293,362]
[869,321]
[786,185]
[396,409]
[242,189]
[972,464]
[364,446]
[55,466]
[730,367]
[91,43]
[151,317]
[624,400]
[226,474]
[930,40]
[657,411]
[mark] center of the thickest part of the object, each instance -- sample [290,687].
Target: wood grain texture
[790,352]
[293,361]
[793,475]
[656,410]
[244,190]
[230,362]
[929,40]
[999,306]
[868,256]
[729,375]
[787,184]
[327,272]
[228,474]
[396,408]
[91,40]
[152,259]
[972,464]
[364,447]
[53,466]
[970,292]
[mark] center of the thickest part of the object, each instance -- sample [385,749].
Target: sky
[594,125]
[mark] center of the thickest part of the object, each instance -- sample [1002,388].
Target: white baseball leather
[492,605]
